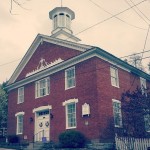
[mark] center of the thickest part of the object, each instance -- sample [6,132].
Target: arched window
[68,21]
[61,20]
[55,21]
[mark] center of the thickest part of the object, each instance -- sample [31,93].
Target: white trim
[19,113]
[116,77]
[66,112]
[18,100]
[66,88]
[120,113]
[42,108]
[70,101]
[73,61]
[39,39]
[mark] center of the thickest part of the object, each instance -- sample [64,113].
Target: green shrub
[13,139]
[72,139]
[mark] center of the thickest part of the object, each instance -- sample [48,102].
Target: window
[19,116]
[147,122]
[117,113]
[61,20]
[21,95]
[55,21]
[143,84]
[114,77]
[71,115]
[70,106]
[70,78]
[42,87]
[68,21]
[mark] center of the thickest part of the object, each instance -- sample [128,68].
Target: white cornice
[95,52]
[39,39]
[42,108]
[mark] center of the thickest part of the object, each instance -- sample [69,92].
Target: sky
[101,23]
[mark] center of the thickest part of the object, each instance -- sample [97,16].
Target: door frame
[35,111]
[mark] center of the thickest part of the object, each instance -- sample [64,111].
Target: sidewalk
[6,149]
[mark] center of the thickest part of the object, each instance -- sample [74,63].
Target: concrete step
[34,146]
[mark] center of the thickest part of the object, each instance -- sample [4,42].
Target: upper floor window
[143,84]
[147,122]
[55,21]
[68,21]
[114,77]
[117,113]
[70,78]
[61,20]
[21,95]
[42,87]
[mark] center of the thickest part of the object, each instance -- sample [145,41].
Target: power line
[109,18]
[146,40]
[116,16]
[136,11]
[140,11]
[135,54]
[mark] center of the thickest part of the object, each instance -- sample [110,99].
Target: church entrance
[42,126]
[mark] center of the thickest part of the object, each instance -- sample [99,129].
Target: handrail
[35,135]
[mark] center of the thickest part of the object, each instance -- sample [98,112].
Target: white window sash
[114,76]
[70,82]
[20,95]
[71,121]
[117,113]
[42,88]
[19,124]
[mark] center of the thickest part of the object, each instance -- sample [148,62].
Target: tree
[136,112]
[136,61]
[3,106]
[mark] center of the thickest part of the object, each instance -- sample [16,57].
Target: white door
[42,126]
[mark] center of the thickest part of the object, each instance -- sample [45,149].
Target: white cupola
[62,17]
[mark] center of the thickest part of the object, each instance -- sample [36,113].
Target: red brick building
[62,85]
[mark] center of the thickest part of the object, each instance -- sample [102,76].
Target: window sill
[42,96]
[69,87]
[20,102]
[19,133]
[115,86]
[71,127]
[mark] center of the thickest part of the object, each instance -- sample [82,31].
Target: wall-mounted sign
[85,109]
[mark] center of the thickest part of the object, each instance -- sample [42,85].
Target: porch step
[35,146]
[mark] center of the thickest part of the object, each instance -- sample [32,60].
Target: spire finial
[61,3]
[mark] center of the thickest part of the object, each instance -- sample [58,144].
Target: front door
[42,126]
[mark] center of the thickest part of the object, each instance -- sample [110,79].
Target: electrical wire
[116,16]
[140,11]
[133,8]
[113,16]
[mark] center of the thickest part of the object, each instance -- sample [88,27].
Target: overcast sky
[119,37]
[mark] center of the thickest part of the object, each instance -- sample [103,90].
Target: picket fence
[130,143]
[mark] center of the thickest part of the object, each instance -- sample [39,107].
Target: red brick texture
[93,86]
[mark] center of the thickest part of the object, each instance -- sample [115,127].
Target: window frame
[66,104]
[72,78]
[143,86]
[114,77]
[20,95]
[119,113]
[17,115]
[38,87]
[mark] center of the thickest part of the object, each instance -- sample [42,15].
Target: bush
[13,139]
[72,139]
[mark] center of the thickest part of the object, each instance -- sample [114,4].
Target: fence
[130,143]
